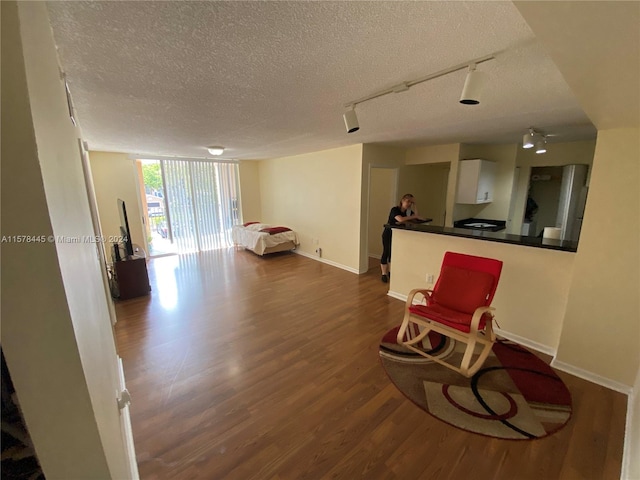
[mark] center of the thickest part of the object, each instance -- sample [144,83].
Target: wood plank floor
[243,367]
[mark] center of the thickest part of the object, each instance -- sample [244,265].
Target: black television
[124,228]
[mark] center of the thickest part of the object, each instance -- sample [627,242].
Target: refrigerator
[573,200]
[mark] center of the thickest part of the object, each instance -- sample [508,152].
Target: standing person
[406,211]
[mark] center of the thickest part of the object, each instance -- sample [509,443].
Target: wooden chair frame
[485,337]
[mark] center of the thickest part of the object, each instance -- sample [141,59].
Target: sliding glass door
[202,201]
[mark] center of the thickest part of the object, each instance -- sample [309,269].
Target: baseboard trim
[591,377]
[628,434]
[373,255]
[397,295]
[328,262]
[525,342]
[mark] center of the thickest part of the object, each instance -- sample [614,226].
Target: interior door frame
[124,417]
[141,195]
[396,174]
[97,228]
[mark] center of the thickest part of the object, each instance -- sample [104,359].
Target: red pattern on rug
[515,395]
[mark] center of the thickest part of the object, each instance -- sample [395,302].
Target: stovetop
[481,224]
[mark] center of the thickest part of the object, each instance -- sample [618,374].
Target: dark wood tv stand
[131,278]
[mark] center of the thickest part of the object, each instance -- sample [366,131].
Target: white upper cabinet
[475,181]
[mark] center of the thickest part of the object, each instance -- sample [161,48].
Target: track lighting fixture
[470,93]
[535,139]
[529,140]
[351,120]
[472,86]
[215,150]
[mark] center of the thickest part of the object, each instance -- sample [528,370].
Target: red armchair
[459,307]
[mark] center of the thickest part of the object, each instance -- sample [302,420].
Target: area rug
[515,395]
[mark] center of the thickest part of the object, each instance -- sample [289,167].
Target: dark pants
[386,246]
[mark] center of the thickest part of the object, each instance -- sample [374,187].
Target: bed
[263,239]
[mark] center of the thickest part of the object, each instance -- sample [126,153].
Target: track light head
[473,85]
[351,120]
[535,139]
[528,140]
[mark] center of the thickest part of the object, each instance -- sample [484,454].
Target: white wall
[249,173]
[114,177]
[532,294]
[56,330]
[447,153]
[428,184]
[601,330]
[432,154]
[319,196]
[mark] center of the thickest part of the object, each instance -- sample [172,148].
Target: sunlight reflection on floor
[165,275]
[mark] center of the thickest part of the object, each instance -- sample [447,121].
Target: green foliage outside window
[152,176]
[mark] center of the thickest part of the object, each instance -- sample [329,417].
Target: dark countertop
[489,236]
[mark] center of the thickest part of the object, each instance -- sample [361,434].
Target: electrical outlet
[315,241]
[429,278]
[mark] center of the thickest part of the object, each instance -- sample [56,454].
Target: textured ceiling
[268,79]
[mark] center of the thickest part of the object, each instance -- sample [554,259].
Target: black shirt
[395,211]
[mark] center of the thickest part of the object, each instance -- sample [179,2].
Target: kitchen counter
[489,236]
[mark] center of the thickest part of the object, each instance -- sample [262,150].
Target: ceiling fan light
[541,146]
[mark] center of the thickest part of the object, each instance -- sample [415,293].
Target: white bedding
[252,238]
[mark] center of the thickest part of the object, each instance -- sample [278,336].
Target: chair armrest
[407,314]
[424,292]
[477,315]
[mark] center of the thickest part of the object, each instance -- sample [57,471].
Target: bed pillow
[246,224]
[274,230]
[256,227]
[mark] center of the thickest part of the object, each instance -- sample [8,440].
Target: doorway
[382,196]
[543,199]
[154,209]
